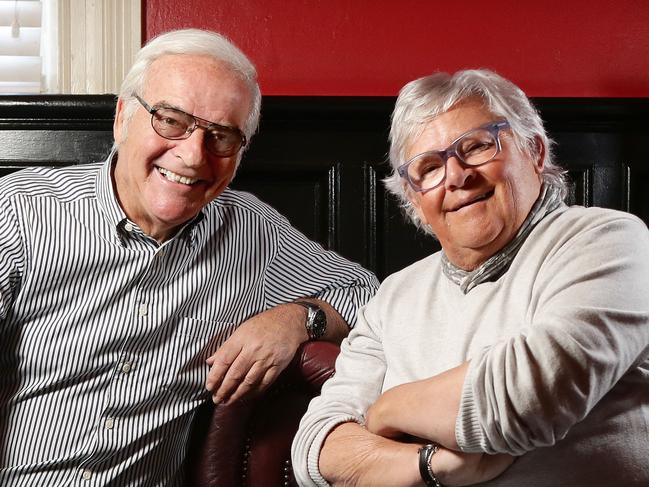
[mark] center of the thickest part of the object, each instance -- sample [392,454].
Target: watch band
[426,452]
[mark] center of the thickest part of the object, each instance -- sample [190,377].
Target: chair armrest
[249,442]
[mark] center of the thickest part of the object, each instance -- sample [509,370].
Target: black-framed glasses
[478,146]
[174,124]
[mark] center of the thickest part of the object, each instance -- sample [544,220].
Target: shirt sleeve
[303,268]
[590,327]
[360,371]
[11,256]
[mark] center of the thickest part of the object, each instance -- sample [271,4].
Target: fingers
[256,381]
[242,379]
[253,356]
[220,363]
[241,375]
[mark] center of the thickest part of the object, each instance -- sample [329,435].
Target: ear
[118,124]
[539,155]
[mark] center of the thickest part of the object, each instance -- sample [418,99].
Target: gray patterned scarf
[496,265]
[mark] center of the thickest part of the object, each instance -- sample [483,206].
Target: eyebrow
[166,104]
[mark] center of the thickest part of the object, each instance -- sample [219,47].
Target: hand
[351,455]
[454,468]
[255,354]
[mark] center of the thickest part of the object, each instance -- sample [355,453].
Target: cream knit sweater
[559,349]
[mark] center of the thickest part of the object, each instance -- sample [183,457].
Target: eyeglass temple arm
[144,104]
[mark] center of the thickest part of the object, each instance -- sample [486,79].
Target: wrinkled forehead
[200,85]
[191,69]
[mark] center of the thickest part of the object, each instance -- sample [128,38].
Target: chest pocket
[194,341]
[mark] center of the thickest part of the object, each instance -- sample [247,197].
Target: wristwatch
[316,319]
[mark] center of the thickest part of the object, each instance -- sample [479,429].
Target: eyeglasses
[478,146]
[174,124]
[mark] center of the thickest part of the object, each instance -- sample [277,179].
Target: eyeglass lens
[427,170]
[174,124]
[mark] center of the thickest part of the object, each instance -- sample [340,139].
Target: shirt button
[128,227]
[126,367]
[109,423]
[86,474]
[142,310]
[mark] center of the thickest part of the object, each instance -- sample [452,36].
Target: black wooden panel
[320,160]
[306,194]
[397,243]
[54,130]
[309,160]
[24,148]
[579,188]
[604,145]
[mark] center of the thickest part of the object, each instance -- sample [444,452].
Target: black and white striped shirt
[104,333]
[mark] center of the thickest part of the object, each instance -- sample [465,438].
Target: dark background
[320,160]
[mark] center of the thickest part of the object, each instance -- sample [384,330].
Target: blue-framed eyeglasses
[174,124]
[478,146]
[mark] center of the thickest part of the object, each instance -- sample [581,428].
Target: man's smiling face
[477,210]
[161,184]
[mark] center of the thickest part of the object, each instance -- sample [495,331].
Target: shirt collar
[106,194]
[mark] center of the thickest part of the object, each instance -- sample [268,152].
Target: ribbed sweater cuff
[468,430]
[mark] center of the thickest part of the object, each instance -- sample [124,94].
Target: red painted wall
[372,47]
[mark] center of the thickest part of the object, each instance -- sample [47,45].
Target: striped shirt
[104,333]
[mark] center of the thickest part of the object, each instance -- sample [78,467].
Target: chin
[175,216]
[477,240]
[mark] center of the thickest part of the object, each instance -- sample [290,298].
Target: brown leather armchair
[248,443]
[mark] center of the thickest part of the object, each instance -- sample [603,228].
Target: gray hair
[425,98]
[196,42]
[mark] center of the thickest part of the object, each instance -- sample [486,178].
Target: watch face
[317,325]
[316,319]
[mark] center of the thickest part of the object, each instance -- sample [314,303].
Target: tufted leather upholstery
[248,444]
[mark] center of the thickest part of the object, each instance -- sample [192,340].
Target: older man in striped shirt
[132,290]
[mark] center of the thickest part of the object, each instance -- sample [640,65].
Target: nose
[457,173]
[192,149]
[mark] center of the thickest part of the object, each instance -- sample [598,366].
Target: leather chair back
[249,443]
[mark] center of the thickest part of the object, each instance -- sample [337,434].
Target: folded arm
[334,447]
[425,409]
[586,332]
[351,455]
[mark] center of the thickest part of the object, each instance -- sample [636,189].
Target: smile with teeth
[176,178]
[482,197]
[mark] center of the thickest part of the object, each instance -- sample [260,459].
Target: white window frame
[97,41]
[20,56]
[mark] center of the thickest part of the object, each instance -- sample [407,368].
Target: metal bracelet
[426,452]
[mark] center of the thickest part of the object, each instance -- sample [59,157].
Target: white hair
[192,42]
[425,98]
